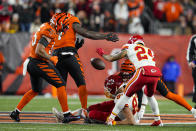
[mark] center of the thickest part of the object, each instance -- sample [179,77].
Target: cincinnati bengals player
[38,65]
[66,50]
[113,89]
[146,72]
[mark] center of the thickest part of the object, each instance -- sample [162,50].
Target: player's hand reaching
[112,37]
[79,43]
[192,64]
[100,51]
[54,60]
[110,121]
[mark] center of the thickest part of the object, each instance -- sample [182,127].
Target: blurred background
[166,26]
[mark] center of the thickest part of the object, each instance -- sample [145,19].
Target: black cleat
[69,117]
[15,116]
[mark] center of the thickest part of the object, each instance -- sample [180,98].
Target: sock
[154,106]
[83,96]
[26,99]
[144,99]
[179,100]
[17,111]
[62,97]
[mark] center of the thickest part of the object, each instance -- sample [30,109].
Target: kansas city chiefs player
[113,88]
[147,74]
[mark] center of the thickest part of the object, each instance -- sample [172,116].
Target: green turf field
[8,103]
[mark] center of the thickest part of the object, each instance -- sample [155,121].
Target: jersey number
[141,53]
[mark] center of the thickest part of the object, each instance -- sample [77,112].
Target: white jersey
[139,55]
[132,103]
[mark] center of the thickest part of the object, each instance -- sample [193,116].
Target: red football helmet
[136,39]
[112,85]
[127,70]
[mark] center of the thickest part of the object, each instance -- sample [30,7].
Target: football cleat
[69,117]
[59,115]
[194,112]
[15,116]
[77,112]
[157,123]
[84,113]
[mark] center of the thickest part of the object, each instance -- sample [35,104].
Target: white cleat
[77,112]
[59,115]
[193,110]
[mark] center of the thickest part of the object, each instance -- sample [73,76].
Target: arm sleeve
[43,41]
[191,49]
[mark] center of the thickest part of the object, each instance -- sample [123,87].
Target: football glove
[110,121]
[100,51]
[79,43]
[54,60]
[112,37]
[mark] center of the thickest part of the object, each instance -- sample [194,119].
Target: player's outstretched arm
[40,50]
[94,35]
[120,55]
[129,119]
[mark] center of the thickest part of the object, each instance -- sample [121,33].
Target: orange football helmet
[56,19]
[127,70]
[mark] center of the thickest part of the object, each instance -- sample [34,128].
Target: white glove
[141,112]
[110,121]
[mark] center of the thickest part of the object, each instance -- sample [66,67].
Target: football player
[164,91]
[66,50]
[113,89]
[147,74]
[41,64]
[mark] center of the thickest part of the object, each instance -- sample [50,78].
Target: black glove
[112,37]
[79,44]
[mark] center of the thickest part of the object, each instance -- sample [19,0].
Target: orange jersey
[69,35]
[47,30]
[172,11]
[1,60]
[135,8]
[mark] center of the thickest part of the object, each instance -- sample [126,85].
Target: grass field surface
[41,104]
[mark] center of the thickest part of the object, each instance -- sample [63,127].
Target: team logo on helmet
[136,39]
[112,85]
[56,20]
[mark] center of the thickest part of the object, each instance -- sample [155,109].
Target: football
[97,63]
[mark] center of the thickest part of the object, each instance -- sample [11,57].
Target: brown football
[97,63]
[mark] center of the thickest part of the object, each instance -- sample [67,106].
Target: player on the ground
[41,64]
[113,88]
[66,50]
[146,72]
